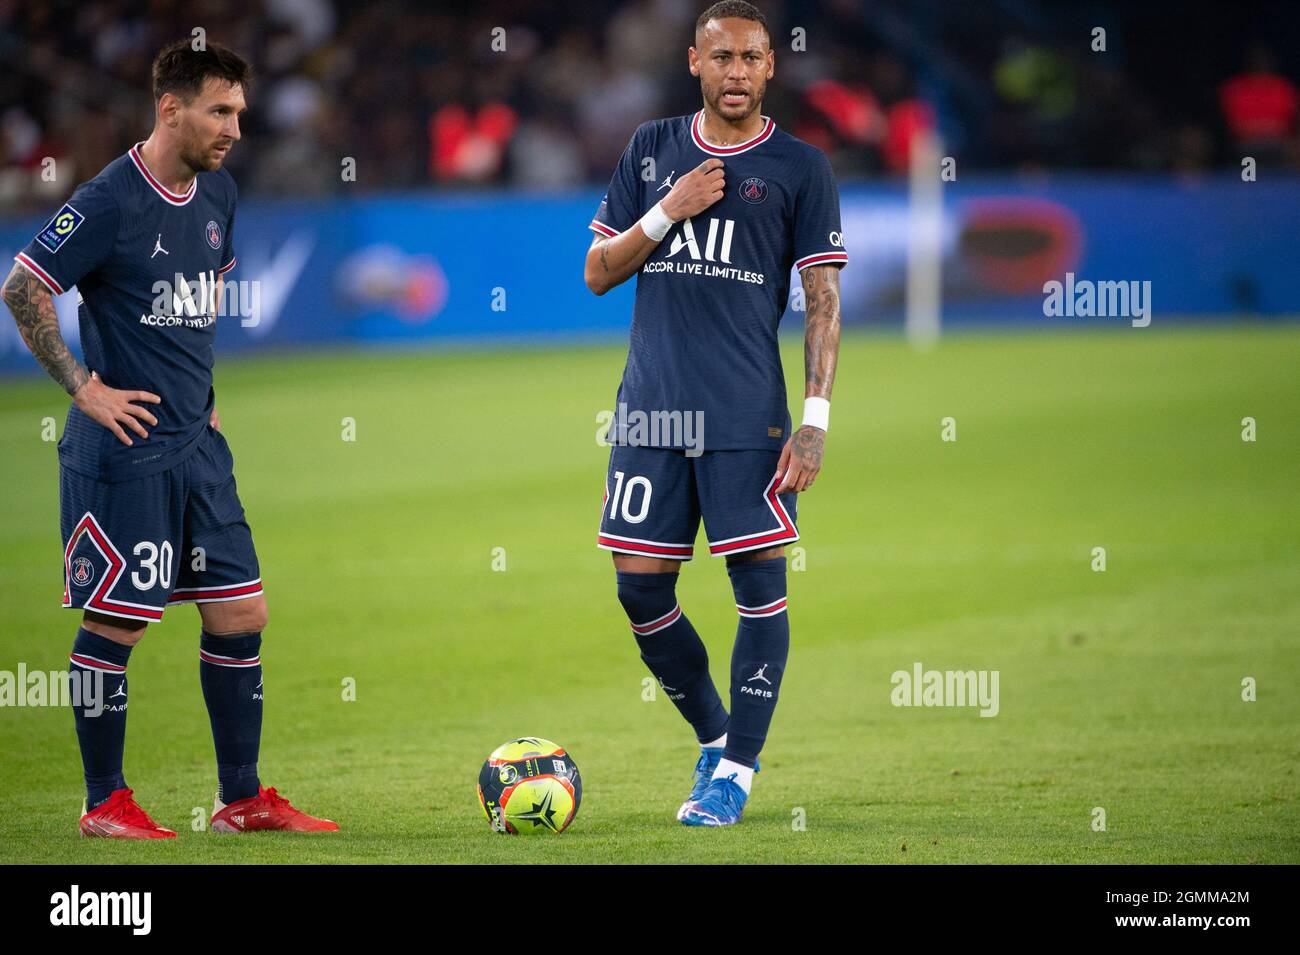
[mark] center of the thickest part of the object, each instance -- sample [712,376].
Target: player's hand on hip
[695,191]
[113,408]
[213,421]
[801,460]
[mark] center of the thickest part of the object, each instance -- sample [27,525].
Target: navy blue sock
[758,660]
[101,732]
[672,650]
[230,669]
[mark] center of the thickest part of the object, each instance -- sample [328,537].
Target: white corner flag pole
[924,243]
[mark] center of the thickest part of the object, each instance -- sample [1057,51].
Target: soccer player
[150,513]
[711,212]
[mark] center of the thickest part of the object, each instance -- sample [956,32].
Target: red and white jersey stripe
[222,594]
[764,134]
[175,198]
[822,258]
[46,278]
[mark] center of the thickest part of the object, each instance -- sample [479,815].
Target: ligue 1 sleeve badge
[753,190]
[65,222]
[213,232]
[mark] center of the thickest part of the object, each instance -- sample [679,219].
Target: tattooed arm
[33,310]
[801,459]
[612,261]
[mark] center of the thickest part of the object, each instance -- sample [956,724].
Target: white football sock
[718,743]
[744,774]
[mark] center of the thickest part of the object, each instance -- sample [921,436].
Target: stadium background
[437,302]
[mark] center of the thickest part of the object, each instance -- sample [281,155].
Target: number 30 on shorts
[155,565]
[623,496]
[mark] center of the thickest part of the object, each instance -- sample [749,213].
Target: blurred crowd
[544,95]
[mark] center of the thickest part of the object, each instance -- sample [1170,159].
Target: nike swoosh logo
[278,276]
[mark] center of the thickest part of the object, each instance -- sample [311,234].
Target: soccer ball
[529,785]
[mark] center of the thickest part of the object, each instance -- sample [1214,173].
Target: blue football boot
[708,762]
[721,804]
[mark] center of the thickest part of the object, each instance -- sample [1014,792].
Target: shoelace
[731,795]
[276,800]
[705,765]
[130,811]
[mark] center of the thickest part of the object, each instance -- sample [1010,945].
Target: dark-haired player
[150,514]
[711,212]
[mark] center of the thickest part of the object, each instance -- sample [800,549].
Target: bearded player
[150,513]
[712,211]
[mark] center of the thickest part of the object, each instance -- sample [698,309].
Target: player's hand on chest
[726,210]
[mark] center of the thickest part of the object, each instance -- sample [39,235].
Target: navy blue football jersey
[145,262]
[710,297]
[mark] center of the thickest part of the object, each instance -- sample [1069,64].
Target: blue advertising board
[494,267]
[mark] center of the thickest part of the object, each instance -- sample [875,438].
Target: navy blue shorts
[131,548]
[655,497]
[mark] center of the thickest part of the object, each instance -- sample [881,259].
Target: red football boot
[120,817]
[268,810]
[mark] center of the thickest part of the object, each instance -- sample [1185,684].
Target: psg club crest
[213,232]
[753,190]
[83,572]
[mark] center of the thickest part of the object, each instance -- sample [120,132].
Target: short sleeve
[228,249]
[77,241]
[818,237]
[621,207]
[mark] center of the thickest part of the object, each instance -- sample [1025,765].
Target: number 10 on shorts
[624,494]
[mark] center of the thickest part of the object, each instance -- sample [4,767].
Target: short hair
[739,9]
[181,70]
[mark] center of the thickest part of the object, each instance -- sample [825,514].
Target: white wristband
[655,223]
[817,412]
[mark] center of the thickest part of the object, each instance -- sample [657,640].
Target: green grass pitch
[1120,690]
